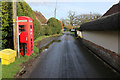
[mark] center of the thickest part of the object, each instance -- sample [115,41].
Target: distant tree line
[77,20]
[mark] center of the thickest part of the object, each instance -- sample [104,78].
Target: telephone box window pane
[31,30]
[22,28]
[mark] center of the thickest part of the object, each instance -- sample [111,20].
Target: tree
[65,21]
[82,18]
[71,16]
[96,15]
[77,20]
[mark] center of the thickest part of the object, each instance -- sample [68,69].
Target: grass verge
[42,37]
[72,32]
[8,71]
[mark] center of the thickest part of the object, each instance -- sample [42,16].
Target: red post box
[26,35]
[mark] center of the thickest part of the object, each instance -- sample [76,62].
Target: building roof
[110,22]
[114,9]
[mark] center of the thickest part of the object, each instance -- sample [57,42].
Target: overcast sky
[46,7]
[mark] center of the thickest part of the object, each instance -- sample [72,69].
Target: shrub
[55,25]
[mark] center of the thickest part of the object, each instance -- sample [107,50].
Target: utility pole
[55,9]
[55,13]
[15,39]
[90,15]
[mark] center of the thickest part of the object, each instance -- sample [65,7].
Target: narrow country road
[70,59]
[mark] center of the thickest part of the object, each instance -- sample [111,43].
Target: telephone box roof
[25,17]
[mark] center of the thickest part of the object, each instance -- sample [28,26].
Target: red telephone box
[26,35]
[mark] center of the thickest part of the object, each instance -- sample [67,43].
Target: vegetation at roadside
[7,29]
[42,37]
[0,26]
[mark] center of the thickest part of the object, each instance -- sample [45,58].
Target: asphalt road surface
[70,59]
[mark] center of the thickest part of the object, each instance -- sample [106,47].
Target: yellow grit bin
[7,56]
